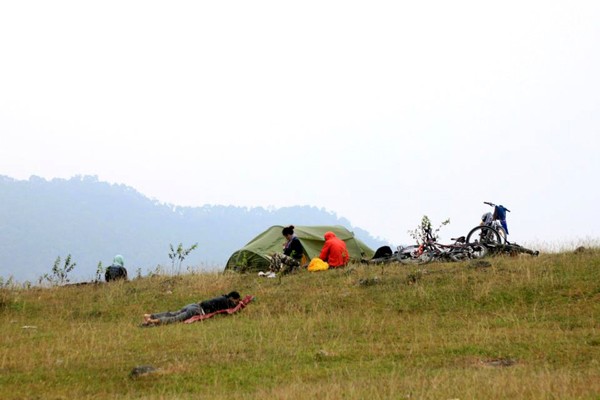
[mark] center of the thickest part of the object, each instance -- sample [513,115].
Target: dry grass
[524,328]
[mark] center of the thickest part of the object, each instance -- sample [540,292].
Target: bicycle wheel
[502,234]
[423,258]
[496,225]
[460,253]
[478,250]
[485,235]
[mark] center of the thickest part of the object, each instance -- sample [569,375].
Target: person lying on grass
[222,302]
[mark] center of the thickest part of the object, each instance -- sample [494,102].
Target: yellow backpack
[316,264]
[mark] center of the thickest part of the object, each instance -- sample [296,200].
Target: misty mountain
[41,220]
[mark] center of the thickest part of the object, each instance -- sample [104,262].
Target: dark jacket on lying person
[218,303]
[223,302]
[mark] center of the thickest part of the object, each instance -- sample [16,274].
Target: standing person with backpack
[116,270]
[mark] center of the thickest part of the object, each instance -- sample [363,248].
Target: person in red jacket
[334,251]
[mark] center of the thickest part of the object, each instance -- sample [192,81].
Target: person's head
[288,231]
[328,235]
[234,295]
[118,260]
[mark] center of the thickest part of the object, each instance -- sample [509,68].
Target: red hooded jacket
[334,251]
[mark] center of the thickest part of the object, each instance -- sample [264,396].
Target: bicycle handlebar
[493,205]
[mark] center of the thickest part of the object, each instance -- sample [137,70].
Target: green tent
[255,255]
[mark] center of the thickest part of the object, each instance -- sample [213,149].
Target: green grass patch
[525,328]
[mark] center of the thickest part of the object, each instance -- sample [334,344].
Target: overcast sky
[380,111]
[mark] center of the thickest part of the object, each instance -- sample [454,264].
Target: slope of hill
[520,328]
[41,220]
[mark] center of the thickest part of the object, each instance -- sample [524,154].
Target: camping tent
[255,255]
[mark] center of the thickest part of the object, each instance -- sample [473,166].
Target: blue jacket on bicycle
[500,215]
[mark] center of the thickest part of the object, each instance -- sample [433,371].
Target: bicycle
[431,250]
[491,232]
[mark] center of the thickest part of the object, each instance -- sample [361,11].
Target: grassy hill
[524,327]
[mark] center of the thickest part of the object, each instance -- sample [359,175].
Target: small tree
[100,270]
[179,254]
[241,265]
[60,274]
[8,283]
[420,234]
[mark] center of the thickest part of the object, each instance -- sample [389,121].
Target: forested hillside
[41,220]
